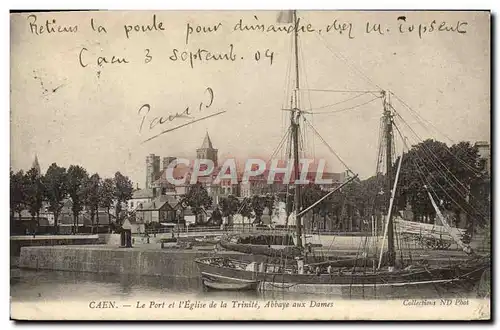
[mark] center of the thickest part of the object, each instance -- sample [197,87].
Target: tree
[35,194]
[467,168]
[258,204]
[122,193]
[216,217]
[55,182]
[198,199]
[229,207]
[448,173]
[269,201]
[310,195]
[246,209]
[77,180]
[92,197]
[17,192]
[106,194]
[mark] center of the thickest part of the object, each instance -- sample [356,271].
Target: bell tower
[207,150]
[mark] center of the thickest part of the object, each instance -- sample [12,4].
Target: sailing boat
[379,274]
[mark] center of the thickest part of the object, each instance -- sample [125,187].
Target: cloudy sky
[70,114]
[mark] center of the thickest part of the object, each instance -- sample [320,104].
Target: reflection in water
[71,286]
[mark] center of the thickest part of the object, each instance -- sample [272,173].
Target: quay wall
[133,261]
[17,242]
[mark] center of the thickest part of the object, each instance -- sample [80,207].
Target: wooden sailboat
[381,274]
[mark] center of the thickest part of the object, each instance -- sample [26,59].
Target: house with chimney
[163,209]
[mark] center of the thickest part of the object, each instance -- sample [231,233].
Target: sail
[467,249]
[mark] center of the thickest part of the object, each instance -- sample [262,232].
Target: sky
[93,116]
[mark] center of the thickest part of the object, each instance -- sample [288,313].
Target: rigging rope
[282,141]
[345,109]
[456,189]
[431,153]
[426,182]
[341,91]
[308,92]
[420,119]
[287,88]
[346,61]
[339,102]
[329,147]
[419,116]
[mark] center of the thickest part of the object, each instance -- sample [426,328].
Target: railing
[249,229]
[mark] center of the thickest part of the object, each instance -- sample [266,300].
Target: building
[156,177]
[166,161]
[26,223]
[484,150]
[207,151]
[140,197]
[134,226]
[152,169]
[162,209]
[257,185]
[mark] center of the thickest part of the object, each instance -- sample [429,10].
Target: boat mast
[294,118]
[389,179]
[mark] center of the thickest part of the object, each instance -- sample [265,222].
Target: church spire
[207,150]
[36,165]
[207,143]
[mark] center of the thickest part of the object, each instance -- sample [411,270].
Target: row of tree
[455,176]
[199,199]
[29,191]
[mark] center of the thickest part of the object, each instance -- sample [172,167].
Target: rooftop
[207,143]
[159,202]
[143,193]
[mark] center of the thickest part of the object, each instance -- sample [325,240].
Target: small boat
[250,286]
[214,281]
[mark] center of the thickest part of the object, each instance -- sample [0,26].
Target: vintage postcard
[250,165]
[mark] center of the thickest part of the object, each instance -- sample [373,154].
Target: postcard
[250,165]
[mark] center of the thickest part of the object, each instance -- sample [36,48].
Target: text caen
[99,60]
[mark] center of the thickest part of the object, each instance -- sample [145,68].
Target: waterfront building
[140,197]
[162,209]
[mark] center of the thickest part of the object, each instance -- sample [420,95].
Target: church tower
[207,150]
[152,169]
[36,165]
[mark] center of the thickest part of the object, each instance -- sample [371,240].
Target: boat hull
[217,282]
[339,283]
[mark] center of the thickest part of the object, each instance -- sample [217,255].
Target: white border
[185,4]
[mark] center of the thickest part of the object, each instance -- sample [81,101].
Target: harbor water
[49,286]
